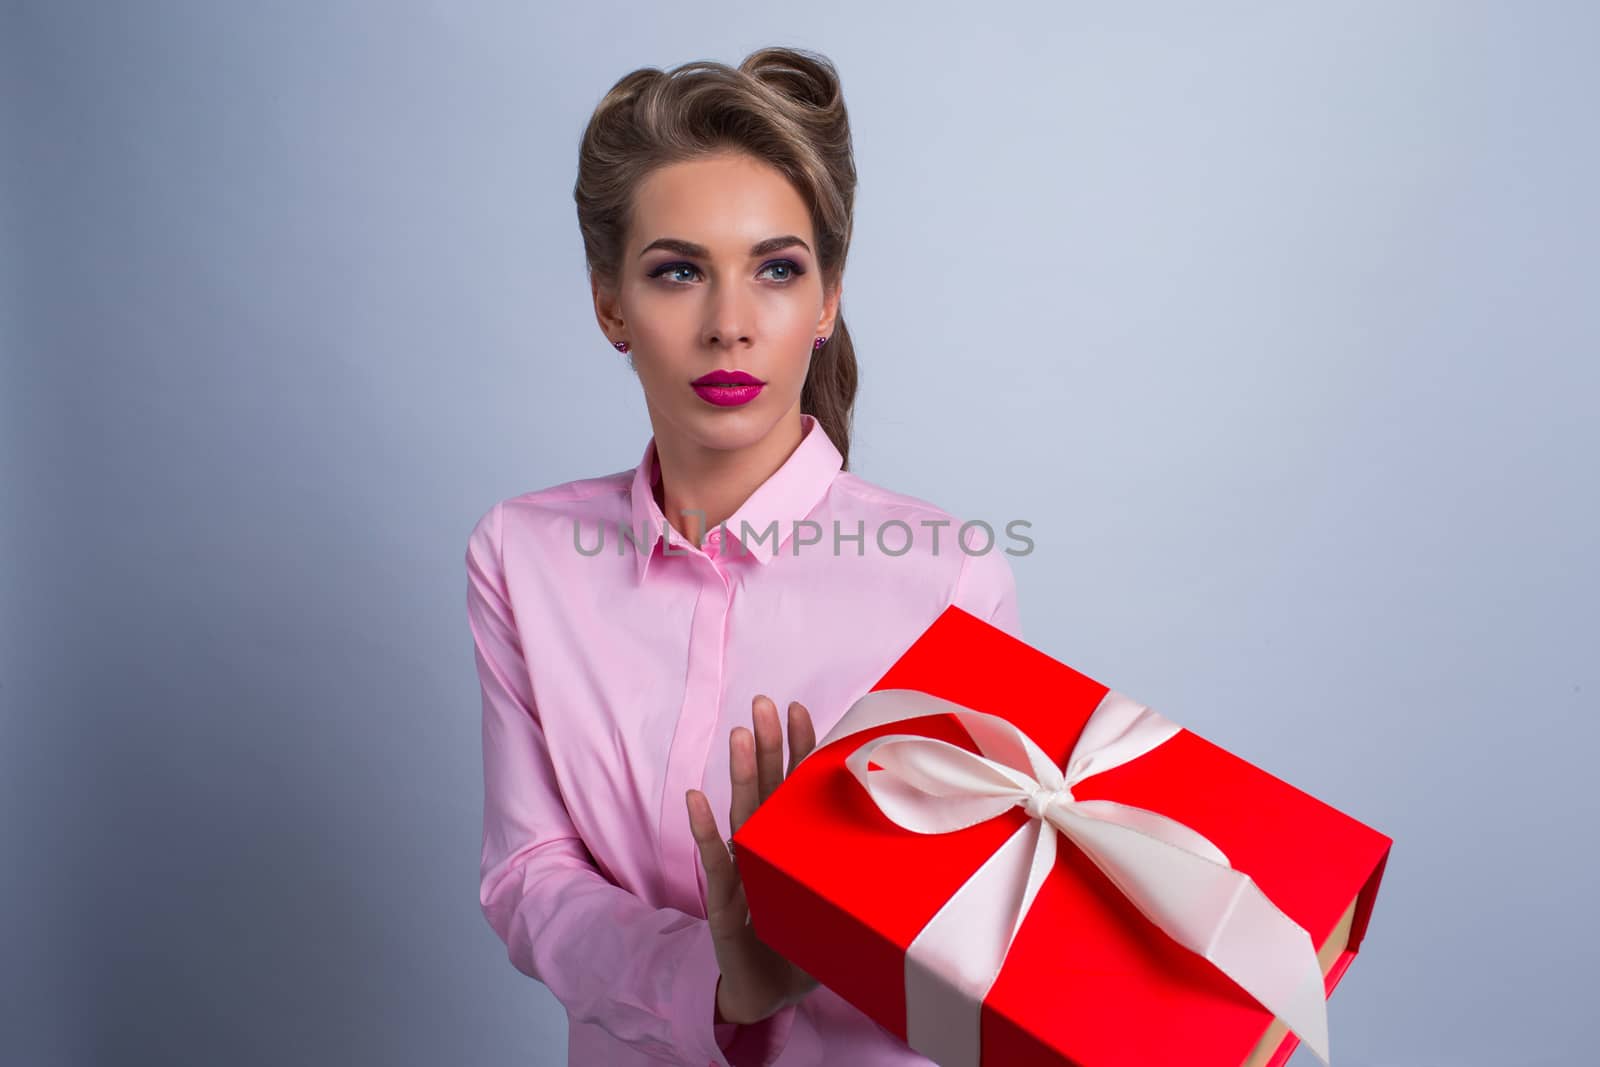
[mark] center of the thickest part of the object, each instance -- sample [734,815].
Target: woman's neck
[701,488]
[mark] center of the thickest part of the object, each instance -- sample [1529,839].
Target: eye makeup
[794,270]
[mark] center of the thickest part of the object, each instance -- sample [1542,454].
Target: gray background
[1278,325]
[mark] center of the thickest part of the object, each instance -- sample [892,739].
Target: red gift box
[842,890]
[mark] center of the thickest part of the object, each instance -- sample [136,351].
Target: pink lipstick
[727,388]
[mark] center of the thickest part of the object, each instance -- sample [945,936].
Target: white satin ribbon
[1178,879]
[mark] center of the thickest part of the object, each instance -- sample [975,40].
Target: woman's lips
[727,395]
[728,377]
[727,388]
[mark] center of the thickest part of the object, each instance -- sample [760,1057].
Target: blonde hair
[781,105]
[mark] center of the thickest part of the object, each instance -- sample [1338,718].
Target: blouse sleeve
[987,588]
[647,975]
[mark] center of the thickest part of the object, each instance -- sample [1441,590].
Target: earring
[818,343]
[620,346]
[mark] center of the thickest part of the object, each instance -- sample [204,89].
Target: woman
[616,645]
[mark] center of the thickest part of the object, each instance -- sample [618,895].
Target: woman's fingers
[755,759]
[769,745]
[802,734]
[722,878]
[744,791]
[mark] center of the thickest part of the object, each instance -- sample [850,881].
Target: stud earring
[818,343]
[620,346]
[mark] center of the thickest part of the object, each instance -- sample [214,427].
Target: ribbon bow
[1176,877]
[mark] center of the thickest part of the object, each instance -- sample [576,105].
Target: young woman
[628,626]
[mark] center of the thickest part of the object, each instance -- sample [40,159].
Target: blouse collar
[786,497]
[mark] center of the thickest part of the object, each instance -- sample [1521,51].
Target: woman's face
[720,273]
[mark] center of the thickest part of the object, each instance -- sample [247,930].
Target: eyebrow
[689,248]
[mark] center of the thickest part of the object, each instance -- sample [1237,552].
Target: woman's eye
[671,269]
[793,269]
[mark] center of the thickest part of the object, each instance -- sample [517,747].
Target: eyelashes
[792,271]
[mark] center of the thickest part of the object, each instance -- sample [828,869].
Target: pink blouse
[615,656]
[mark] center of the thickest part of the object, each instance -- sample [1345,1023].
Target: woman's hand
[756,981]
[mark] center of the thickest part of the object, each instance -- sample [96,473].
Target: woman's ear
[830,309]
[607,311]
